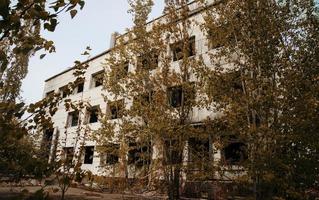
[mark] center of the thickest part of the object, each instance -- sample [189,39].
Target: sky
[92,27]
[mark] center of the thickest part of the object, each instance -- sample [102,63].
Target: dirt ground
[13,193]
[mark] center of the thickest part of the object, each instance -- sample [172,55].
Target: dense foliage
[20,25]
[269,98]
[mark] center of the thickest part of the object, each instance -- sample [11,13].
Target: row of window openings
[91,117]
[233,154]
[148,61]
[97,80]
[115,109]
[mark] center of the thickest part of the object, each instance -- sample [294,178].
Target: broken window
[148,61]
[172,152]
[175,95]
[139,154]
[47,142]
[49,93]
[68,155]
[73,119]
[88,154]
[65,91]
[80,87]
[93,114]
[116,109]
[198,149]
[177,49]
[122,70]
[235,80]
[234,153]
[110,155]
[97,79]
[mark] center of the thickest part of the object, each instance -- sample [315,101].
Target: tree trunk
[63,194]
[174,183]
[210,191]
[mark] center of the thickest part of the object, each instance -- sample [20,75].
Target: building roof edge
[84,62]
[107,51]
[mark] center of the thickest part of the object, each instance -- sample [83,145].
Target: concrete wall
[94,96]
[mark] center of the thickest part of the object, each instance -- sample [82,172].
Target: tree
[20,38]
[150,101]
[69,159]
[65,159]
[265,57]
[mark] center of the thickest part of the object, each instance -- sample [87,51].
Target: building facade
[65,135]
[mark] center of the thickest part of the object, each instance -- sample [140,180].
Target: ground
[11,193]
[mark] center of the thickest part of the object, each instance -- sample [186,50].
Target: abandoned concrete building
[91,91]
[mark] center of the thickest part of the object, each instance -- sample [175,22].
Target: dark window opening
[93,114]
[172,152]
[98,83]
[116,109]
[198,154]
[49,93]
[139,155]
[148,61]
[112,159]
[178,95]
[122,72]
[110,156]
[235,78]
[198,149]
[64,91]
[98,79]
[47,142]
[175,96]
[48,135]
[68,155]
[73,119]
[80,87]
[114,112]
[234,153]
[88,154]
[64,94]
[177,49]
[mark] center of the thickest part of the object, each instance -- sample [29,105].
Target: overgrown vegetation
[259,80]
[260,76]
[21,23]
[269,96]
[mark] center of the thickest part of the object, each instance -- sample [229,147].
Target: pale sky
[92,27]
